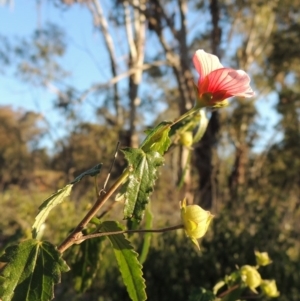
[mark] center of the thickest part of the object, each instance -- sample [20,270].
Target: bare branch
[139,29]
[119,77]
[182,35]
[128,26]
[99,20]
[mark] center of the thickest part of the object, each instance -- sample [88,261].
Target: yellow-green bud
[262,258]
[269,288]
[195,221]
[186,138]
[251,277]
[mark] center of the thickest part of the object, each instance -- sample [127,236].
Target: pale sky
[85,58]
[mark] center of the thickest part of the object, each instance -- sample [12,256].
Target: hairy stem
[82,238]
[76,233]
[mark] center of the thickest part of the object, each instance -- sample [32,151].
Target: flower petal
[205,63]
[234,82]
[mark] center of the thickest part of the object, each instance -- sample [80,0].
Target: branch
[100,234]
[76,233]
[182,32]
[119,77]
[128,27]
[228,291]
[99,19]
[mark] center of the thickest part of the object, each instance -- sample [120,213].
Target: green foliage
[127,259]
[33,268]
[147,236]
[143,173]
[58,197]
[19,152]
[254,194]
[47,206]
[38,57]
[157,138]
[85,263]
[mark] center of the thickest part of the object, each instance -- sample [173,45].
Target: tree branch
[119,77]
[99,20]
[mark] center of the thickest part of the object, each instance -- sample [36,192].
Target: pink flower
[217,83]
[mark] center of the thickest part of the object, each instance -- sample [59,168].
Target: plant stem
[228,291]
[82,238]
[75,234]
[186,114]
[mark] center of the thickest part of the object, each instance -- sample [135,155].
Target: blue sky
[25,17]
[86,58]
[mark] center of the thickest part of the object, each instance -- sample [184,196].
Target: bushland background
[246,169]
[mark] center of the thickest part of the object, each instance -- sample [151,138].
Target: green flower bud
[195,221]
[186,138]
[262,258]
[269,288]
[251,277]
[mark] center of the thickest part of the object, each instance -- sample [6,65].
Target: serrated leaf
[158,138]
[48,205]
[33,268]
[91,172]
[57,198]
[141,180]
[129,265]
[86,263]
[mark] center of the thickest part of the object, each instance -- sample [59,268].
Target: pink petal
[205,63]
[234,82]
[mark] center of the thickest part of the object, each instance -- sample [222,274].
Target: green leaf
[127,258]
[137,189]
[33,268]
[47,206]
[158,138]
[91,172]
[57,198]
[147,236]
[86,263]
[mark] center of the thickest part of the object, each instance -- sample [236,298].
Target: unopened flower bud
[251,277]
[269,288]
[186,138]
[195,221]
[262,258]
